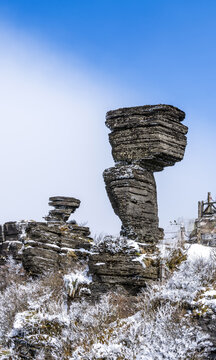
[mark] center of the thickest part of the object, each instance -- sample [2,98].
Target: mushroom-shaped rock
[64,207]
[144,139]
[150,135]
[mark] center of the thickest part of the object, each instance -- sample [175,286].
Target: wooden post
[198,233]
[182,230]
[199,210]
[202,208]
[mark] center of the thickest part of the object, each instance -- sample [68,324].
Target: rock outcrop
[119,263]
[144,139]
[54,246]
[47,246]
[11,241]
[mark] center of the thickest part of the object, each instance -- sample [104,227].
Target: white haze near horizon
[54,141]
[53,138]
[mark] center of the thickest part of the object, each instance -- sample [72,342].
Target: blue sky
[103,55]
[162,45]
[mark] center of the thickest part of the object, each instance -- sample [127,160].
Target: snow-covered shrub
[175,257]
[146,336]
[10,272]
[189,279]
[36,332]
[159,323]
[20,294]
[115,244]
[77,280]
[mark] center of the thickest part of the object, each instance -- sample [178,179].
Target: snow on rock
[100,264]
[141,260]
[114,245]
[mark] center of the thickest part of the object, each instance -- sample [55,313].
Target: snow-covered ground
[198,251]
[160,323]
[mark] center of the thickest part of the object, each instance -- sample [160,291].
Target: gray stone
[132,193]
[151,136]
[144,139]
[122,271]
[47,246]
[51,246]
[64,207]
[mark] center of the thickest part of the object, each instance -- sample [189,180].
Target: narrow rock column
[132,193]
[144,139]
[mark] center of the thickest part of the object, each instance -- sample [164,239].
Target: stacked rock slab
[64,207]
[11,241]
[46,246]
[144,139]
[122,268]
[132,192]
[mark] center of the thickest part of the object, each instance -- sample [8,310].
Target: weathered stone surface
[122,269]
[46,246]
[11,243]
[151,136]
[64,207]
[143,139]
[132,193]
[50,246]
[147,111]
[119,264]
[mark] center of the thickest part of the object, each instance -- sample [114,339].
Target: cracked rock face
[144,139]
[46,246]
[152,136]
[132,193]
[64,207]
[54,246]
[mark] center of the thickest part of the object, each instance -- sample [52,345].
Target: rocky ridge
[47,246]
[143,139]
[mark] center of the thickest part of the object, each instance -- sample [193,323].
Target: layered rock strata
[144,139]
[47,246]
[117,264]
[132,193]
[11,241]
[64,207]
[150,135]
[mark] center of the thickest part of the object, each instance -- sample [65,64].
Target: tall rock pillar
[144,139]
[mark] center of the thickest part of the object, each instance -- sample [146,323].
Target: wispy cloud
[53,138]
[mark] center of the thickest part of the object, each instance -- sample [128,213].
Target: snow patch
[140,259]
[197,251]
